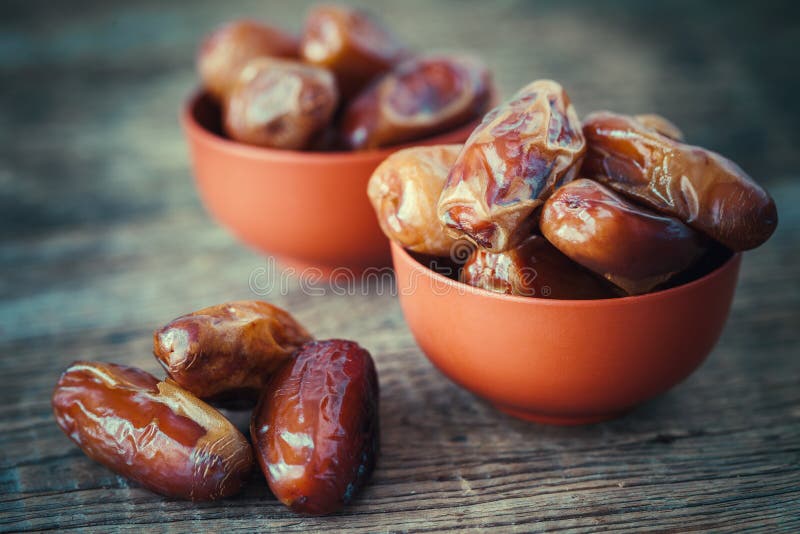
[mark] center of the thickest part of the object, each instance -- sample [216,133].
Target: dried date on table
[404,191]
[227,353]
[510,164]
[155,433]
[315,429]
[419,98]
[632,247]
[351,43]
[703,189]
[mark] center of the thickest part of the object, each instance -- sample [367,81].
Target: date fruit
[660,124]
[227,353]
[703,189]
[227,50]
[510,164]
[404,190]
[420,97]
[315,429]
[351,43]
[280,104]
[632,247]
[155,433]
[534,268]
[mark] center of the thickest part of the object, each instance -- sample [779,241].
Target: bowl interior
[206,112]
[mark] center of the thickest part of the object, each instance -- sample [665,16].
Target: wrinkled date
[632,247]
[419,98]
[510,164]
[404,190]
[534,268]
[280,104]
[152,432]
[703,189]
[315,429]
[227,353]
[351,43]
[227,50]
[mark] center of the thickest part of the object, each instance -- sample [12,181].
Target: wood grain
[104,239]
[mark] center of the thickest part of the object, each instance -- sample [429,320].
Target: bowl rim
[730,263]
[196,129]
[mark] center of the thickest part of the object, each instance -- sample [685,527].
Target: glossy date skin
[404,190]
[152,432]
[661,125]
[280,104]
[315,429]
[703,189]
[226,353]
[351,43]
[632,247]
[420,97]
[226,51]
[534,268]
[510,164]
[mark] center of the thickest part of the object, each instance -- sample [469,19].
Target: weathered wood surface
[103,239]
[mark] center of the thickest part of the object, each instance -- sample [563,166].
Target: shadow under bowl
[564,362]
[308,209]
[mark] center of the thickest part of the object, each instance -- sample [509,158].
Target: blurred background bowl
[308,209]
[563,361]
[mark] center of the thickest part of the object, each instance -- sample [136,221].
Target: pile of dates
[314,424]
[346,84]
[549,206]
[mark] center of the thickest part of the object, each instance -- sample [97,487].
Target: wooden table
[104,239]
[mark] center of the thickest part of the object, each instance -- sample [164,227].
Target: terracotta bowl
[564,361]
[308,209]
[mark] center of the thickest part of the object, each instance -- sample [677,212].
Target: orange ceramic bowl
[309,209]
[563,361]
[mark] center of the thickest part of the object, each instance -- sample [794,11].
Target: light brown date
[510,164]
[227,353]
[226,51]
[315,429]
[703,189]
[404,190]
[420,97]
[632,247]
[280,104]
[534,268]
[152,432]
[351,43]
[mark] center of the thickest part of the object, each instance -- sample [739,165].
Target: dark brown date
[152,432]
[404,190]
[227,50]
[703,189]
[421,97]
[280,104]
[315,429]
[510,164]
[227,353]
[351,43]
[632,247]
[534,268]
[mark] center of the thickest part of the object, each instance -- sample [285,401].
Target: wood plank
[103,239]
